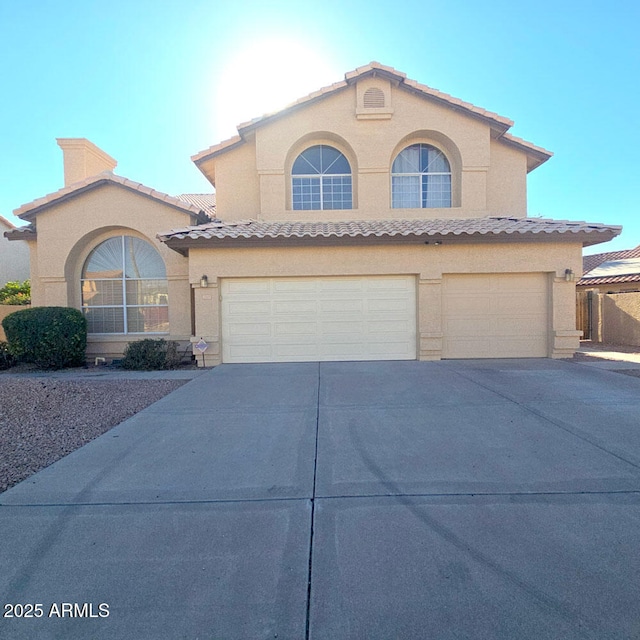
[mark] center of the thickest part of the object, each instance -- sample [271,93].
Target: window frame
[125,304]
[322,180]
[423,178]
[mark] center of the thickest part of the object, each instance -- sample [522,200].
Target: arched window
[321,179]
[124,288]
[420,178]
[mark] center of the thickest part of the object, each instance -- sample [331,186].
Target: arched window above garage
[421,178]
[321,179]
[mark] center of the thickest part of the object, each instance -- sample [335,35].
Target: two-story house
[376,218]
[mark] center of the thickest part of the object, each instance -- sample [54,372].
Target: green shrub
[49,337]
[149,354]
[16,293]
[6,357]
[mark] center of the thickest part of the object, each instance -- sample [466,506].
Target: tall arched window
[321,179]
[124,288]
[420,178]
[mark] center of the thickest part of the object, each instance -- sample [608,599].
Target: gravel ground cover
[44,419]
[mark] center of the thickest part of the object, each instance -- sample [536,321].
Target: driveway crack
[313,496]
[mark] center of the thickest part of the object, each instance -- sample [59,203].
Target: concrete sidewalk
[456,499]
[610,357]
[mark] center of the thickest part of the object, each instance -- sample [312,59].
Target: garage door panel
[527,347]
[521,326]
[341,306]
[351,318]
[389,306]
[389,327]
[352,331]
[250,287]
[297,286]
[242,329]
[284,329]
[495,315]
[340,285]
[246,307]
[296,307]
[290,350]
[472,304]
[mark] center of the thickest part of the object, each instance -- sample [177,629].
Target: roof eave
[498,124]
[586,238]
[54,200]
[21,233]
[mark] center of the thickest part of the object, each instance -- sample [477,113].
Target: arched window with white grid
[321,179]
[124,288]
[421,178]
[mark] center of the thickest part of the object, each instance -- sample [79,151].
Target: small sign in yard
[202,346]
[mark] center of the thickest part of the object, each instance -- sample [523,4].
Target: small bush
[16,293]
[149,354]
[49,337]
[7,359]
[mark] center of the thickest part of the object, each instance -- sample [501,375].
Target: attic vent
[373,98]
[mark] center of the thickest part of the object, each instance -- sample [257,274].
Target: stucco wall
[428,263]
[69,231]
[14,258]
[487,175]
[617,318]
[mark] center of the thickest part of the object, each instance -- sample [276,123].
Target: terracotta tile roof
[589,263]
[540,154]
[21,233]
[498,122]
[30,209]
[204,201]
[595,282]
[612,267]
[217,148]
[491,227]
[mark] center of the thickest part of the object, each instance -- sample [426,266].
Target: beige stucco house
[373,219]
[14,256]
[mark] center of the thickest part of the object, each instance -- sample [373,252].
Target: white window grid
[323,192]
[114,318]
[421,190]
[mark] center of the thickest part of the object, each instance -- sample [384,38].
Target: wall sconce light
[569,275]
[204,282]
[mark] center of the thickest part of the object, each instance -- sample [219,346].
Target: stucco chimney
[82,159]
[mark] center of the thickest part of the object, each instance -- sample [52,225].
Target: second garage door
[495,316]
[318,319]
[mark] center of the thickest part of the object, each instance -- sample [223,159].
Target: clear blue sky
[154,81]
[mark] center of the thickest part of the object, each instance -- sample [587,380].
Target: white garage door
[314,319]
[495,316]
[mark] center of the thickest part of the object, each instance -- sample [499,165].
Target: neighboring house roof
[204,201]
[28,211]
[537,155]
[6,223]
[21,233]
[16,233]
[479,229]
[591,262]
[612,267]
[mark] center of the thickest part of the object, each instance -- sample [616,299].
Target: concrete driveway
[388,500]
